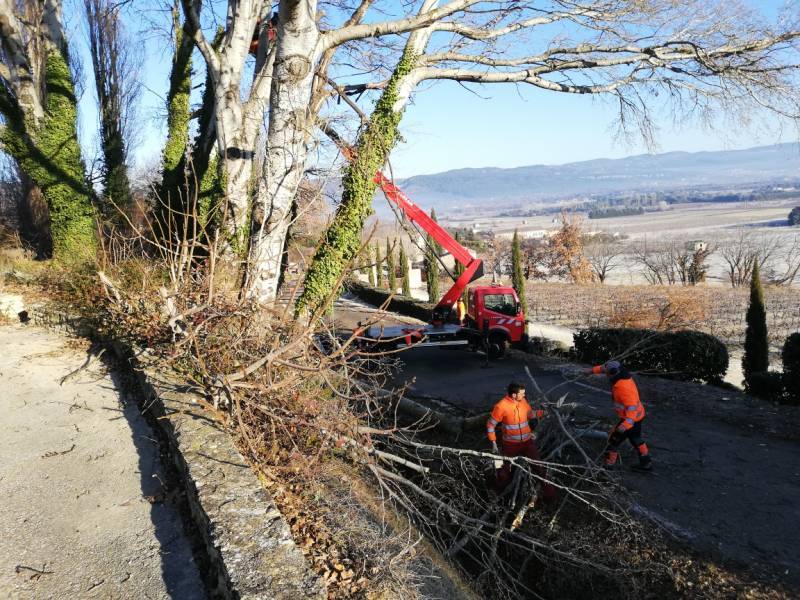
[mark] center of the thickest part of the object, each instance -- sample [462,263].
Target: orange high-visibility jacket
[461,309]
[625,396]
[513,416]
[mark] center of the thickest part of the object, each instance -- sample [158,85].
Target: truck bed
[449,334]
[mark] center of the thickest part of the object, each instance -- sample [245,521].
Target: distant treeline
[607,213]
[604,205]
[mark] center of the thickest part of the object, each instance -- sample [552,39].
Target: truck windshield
[505,304]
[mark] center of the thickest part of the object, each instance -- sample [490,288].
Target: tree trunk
[343,238]
[289,127]
[50,156]
[34,218]
[172,193]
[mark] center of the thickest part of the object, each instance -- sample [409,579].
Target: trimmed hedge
[687,355]
[791,368]
[399,304]
[767,385]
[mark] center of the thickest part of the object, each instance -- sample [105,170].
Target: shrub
[794,216]
[767,385]
[689,355]
[791,368]
[399,304]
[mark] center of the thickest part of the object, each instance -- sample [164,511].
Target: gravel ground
[84,510]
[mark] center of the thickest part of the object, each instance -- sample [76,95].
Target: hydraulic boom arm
[473,267]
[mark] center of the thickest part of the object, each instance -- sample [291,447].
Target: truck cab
[496,314]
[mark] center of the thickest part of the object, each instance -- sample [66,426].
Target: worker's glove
[494,448]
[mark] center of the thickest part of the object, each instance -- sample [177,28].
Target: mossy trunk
[173,191]
[205,167]
[50,156]
[343,238]
[756,343]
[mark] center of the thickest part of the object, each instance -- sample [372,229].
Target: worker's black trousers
[633,435]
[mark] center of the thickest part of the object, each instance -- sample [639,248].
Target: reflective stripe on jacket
[513,416]
[625,396]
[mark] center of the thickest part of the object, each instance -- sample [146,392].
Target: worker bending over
[629,409]
[514,415]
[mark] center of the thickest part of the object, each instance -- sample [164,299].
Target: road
[84,510]
[726,488]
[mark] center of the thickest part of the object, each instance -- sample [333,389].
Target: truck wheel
[497,346]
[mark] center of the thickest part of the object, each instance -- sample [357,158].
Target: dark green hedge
[791,368]
[767,385]
[688,355]
[399,304]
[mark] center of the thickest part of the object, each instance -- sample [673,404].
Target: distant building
[697,245]
[529,234]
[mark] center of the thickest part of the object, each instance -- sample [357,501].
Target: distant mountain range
[645,172]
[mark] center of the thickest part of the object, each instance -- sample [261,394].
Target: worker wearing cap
[514,415]
[629,409]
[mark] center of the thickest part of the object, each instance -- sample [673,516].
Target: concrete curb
[248,543]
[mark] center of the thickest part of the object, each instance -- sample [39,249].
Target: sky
[447,126]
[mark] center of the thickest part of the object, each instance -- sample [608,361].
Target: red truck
[495,319]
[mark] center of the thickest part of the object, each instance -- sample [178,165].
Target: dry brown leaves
[343,576]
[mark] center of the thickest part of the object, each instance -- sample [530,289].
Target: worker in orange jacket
[629,409]
[461,311]
[514,415]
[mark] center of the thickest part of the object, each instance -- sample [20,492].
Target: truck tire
[498,344]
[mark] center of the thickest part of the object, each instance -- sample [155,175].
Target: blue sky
[447,126]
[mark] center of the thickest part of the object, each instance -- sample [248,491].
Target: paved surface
[729,489]
[83,512]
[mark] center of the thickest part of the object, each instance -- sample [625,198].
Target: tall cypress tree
[518,279]
[756,345]
[378,267]
[390,266]
[436,245]
[432,266]
[459,270]
[404,271]
[370,268]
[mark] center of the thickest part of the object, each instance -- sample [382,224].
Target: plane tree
[265,116]
[697,59]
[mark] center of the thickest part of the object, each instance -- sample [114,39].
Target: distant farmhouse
[526,234]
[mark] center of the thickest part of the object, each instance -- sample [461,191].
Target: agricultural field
[716,310]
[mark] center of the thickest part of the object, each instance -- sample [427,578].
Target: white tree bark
[289,126]
[16,69]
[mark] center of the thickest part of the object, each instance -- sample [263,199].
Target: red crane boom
[473,267]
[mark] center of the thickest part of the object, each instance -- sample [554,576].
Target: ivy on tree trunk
[50,156]
[172,192]
[343,238]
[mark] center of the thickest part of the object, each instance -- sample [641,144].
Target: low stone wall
[248,544]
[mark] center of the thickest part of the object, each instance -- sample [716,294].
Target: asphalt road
[463,379]
[719,485]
